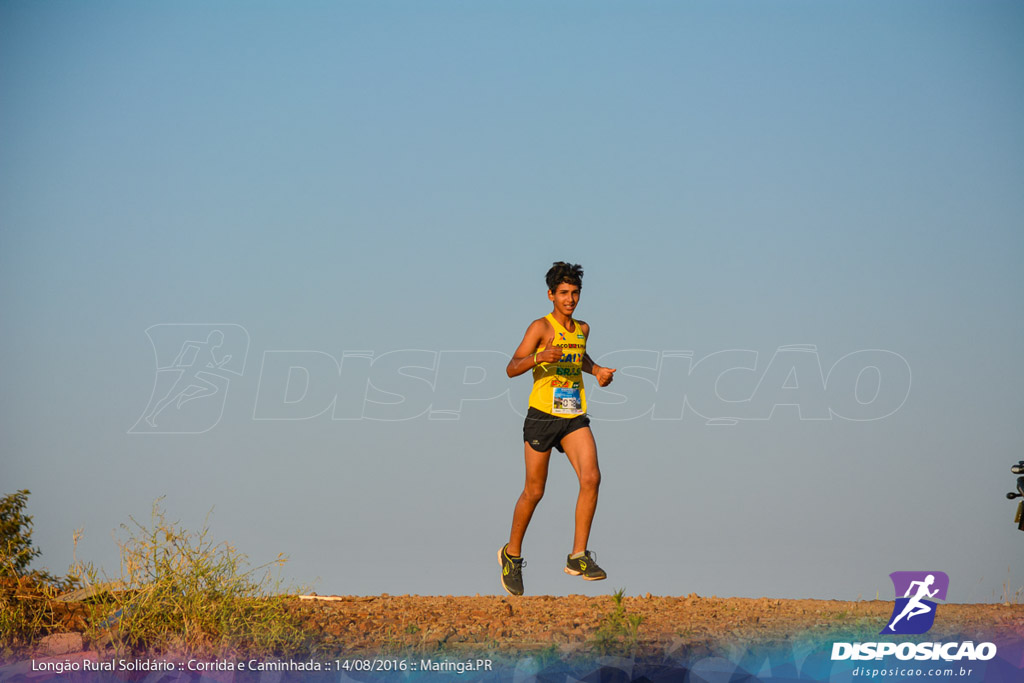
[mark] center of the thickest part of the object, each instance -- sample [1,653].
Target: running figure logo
[914,613]
[194,365]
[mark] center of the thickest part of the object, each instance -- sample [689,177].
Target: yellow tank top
[558,387]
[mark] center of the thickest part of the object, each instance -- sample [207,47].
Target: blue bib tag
[566,402]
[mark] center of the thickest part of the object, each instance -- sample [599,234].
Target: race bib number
[566,402]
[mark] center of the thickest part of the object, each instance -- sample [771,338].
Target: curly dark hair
[564,272]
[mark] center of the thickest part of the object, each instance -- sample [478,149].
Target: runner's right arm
[527,356]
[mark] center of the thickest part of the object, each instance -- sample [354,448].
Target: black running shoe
[511,572]
[585,566]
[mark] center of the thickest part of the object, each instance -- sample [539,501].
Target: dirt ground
[585,624]
[564,627]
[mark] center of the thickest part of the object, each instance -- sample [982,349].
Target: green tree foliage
[26,595]
[16,549]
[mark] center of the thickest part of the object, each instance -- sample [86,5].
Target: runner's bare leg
[581,450]
[533,491]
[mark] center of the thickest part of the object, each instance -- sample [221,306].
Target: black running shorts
[542,430]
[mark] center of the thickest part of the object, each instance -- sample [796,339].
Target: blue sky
[325,178]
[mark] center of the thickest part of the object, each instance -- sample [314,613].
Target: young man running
[555,349]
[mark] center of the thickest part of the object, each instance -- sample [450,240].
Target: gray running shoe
[585,566]
[511,571]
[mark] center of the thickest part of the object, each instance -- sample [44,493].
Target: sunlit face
[565,297]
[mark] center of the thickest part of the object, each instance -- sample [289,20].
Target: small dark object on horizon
[1019,517]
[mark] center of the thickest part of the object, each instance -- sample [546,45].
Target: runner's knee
[533,492]
[590,479]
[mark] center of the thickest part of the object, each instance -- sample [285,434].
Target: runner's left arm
[604,375]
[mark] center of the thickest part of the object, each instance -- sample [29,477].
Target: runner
[194,360]
[915,605]
[555,348]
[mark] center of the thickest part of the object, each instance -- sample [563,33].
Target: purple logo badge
[914,612]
